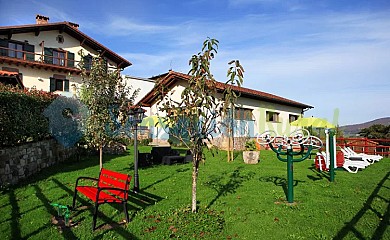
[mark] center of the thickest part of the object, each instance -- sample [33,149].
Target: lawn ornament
[285,146]
[63,211]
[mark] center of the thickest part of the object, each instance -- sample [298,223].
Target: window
[58,58]
[243,114]
[60,39]
[292,118]
[15,50]
[272,116]
[59,83]
[87,62]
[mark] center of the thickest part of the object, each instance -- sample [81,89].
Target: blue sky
[329,54]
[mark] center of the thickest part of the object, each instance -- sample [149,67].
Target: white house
[46,55]
[257,111]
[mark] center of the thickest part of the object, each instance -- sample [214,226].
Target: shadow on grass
[350,227]
[180,170]
[319,175]
[15,215]
[278,181]
[223,187]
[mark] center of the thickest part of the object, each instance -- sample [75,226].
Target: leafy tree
[376,131]
[107,97]
[196,114]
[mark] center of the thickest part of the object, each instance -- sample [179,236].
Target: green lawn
[237,201]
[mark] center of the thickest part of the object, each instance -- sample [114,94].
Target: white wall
[40,78]
[251,128]
[145,85]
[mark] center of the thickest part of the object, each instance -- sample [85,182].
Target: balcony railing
[41,58]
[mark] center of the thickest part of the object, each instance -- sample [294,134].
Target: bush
[145,141]
[250,145]
[21,118]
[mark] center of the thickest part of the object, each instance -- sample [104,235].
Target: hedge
[21,118]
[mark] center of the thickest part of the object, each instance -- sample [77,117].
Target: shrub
[250,145]
[21,118]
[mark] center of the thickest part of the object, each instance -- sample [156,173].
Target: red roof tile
[8,74]
[172,77]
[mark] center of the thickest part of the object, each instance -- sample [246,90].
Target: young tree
[197,116]
[108,99]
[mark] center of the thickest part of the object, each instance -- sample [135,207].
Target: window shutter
[31,49]
[3,44]
[48,55]
[70,62]
[66,85]
[52,84]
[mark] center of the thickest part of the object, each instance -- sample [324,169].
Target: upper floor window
[292,118]
[58,57]
[87,62]
[15,50]
[272,116]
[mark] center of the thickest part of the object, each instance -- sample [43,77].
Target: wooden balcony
[40,61]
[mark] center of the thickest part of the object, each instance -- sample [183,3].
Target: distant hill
[352,130]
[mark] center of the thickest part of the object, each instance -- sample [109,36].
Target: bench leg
[95,216]
[126,212]
[74,199]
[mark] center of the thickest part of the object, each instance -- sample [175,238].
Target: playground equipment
[285,151]
[63,211]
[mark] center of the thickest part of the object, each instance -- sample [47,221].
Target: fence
[366,145]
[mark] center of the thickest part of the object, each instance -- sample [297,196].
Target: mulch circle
[60,223]
[285,202]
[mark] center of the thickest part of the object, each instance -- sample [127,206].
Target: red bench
[112,187]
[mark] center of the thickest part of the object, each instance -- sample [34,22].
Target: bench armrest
[87,178]
[110,189]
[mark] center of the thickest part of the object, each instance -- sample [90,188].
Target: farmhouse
[257,111]
[46,55]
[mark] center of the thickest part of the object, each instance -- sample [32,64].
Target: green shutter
[70,62]
[66,85]
[48,55]
[31,55]
[52,84]
[3,44]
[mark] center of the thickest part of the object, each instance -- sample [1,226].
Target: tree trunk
[101,157]
[195,171]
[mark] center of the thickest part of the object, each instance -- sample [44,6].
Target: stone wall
[17,163]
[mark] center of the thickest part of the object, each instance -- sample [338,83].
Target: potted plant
[251,154]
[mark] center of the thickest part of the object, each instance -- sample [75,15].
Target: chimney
[42,19]
[75,25]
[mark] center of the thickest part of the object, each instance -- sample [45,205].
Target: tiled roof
[171,77]
[70,29]
[12,76]
[8,74]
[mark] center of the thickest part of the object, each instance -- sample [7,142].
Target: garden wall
[17,163]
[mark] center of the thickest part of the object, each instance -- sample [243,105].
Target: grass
[236,201]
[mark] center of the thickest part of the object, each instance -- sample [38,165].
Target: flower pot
[251,157]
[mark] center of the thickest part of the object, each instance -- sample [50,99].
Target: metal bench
[112,187]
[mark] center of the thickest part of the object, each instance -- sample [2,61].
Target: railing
[366,145]
[40,58]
